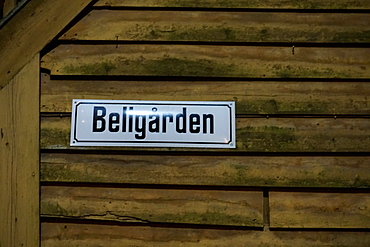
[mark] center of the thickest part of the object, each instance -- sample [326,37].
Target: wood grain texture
[117,25]
[19,158]
[251,97]
[323,210]
[280,4]
[167,169]
[254,135]
[8,6]
[28,32]
[239,208]
[208,61]
[83,235]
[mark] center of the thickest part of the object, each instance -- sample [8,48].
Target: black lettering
[194,122]
[140,127]
[164,122]
[183,117]
[124,119]
[97,117]
[113,122]
[154,123]
[130,125]
[211,123]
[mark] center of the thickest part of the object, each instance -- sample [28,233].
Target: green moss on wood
[209,217]
[363,36]
[229,174]
[53,209]
[230,33]
[168,65]
[280,107]
[165,66]
[100,68]
[54,138]
[183,67]
[71,173]
[244,176]
[268,138]
[292,71]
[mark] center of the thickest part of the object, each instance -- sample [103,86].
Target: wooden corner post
[19,158]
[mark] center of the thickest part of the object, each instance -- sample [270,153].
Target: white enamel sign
[199,124]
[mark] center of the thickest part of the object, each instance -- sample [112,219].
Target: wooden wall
[299,74]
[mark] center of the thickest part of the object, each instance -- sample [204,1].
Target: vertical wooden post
[19,158]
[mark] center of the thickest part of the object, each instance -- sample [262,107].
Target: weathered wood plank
[252,97]
[255,135]
[221,26]
[81,235]
[19,158]
[282,4]
[28,32]
[340,172]
[209,61]
[239,208]
[323,210]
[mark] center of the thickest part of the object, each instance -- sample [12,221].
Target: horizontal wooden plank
[68,234]
[343,172]
[208,61]
[273,4]
[254,135]
[239,208]
[118,25]
[81,235]
[323,210]
[251,97]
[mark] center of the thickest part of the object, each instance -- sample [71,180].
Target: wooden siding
[252,97]
[319,210]
[69,234]
[237,208]
[207,170]
[221,26]
[299,74]
[253,135]
[209,61]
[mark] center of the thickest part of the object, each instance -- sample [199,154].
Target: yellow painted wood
[19,158]
[319,210]
[83,235]
[275,4]
[239,208]
[118,25]
[28,32]
[251,97]
[212,170]
[254,135]
[208,61]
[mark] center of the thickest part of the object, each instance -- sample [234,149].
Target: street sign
[200,124]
